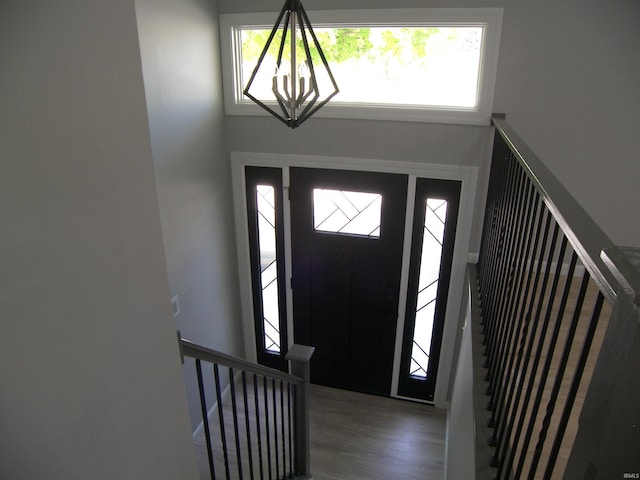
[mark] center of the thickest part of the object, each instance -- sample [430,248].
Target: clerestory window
[431,65]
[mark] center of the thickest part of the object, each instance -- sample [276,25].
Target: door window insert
[345,212]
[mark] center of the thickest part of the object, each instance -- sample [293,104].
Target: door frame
[467,175]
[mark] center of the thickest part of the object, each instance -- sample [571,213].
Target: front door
[347,232]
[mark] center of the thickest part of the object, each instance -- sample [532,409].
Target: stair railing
[546,294]
[255,419]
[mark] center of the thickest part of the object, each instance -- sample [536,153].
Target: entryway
[339,259]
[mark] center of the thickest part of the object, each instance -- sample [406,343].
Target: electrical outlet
[175,303]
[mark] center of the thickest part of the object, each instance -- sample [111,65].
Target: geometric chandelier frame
[300,84]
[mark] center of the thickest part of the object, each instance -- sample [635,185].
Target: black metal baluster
[518,293]
[236,429]
[490,290]
[485,259]
[547,364]
[266,425]
[290,430]
[512,294]
[500,273]
[502,278]
[525,268]
[559,376]
[205,418]
[538,354]
[508,451]
[247,422]
[257,407]
[524,321]
[499,276]
[275,426]
[223,436]
[546,421]
[295,422]
[284,447]
[487,255]
[575,384]
[511,319]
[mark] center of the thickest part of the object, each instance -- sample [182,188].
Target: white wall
[180,58]
[90,379]
[460,446]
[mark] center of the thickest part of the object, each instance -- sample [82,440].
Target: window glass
[268,267]
[426,66]
[432,238]
[355,213]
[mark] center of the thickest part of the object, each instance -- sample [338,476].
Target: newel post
[299,357]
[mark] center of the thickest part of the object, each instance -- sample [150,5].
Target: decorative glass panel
[433,236]
[268,267]
[354,213]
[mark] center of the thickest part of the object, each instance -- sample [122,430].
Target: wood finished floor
[358,436]
[355,436]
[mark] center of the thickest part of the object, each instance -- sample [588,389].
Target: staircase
[255,419]
[558,312]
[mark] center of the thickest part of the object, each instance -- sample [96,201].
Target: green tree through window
[344,44]
[424,65]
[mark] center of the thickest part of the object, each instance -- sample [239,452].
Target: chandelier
[302,81]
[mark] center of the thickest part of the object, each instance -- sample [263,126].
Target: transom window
[403,64]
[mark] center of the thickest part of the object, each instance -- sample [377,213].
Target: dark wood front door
[347,237]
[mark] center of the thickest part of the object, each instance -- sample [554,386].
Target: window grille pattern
[268,266]
[432,239]
[344,212]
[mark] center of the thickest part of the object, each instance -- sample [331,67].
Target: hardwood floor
[353,436]
[358,436]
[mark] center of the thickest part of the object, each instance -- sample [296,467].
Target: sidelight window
[432,243]
[432,240]
[265,197]
[266,257]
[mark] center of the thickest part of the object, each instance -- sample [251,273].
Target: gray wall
[568,80]
[90,379]
[179,42]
